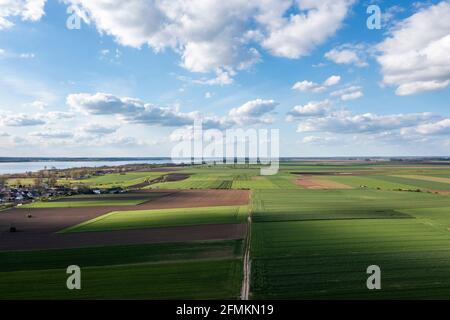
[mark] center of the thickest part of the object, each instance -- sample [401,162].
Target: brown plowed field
[38,232]
[196,198]
[36,241]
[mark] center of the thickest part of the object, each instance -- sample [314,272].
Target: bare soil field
[39,230]
[37,241]
[196,198]
[311,182]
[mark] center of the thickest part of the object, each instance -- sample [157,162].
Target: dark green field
[166,271]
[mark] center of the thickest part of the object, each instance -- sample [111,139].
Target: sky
[124,78]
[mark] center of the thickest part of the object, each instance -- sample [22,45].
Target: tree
[2,182]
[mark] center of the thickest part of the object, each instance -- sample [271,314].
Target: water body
[32,166]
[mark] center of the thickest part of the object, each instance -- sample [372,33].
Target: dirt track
[39,232]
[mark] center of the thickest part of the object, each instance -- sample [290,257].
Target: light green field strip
[141,219]
[435,217]
[279,205]
[280,181]
[116,179]
[371,181]
[328,259]
[425,178]
[422,184]
[215,279]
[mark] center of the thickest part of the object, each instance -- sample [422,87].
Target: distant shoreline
[119,159]
[76,159]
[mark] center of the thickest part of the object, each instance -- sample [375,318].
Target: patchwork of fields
[315,228]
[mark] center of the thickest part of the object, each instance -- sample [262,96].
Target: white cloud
[135,111]
[306,85]
[332,81]
[52,134]
[296,35]
[28,10]
[208,95]
[212,35]
[347,54]
[129,110]
[310,86]
[319,140]
[253,112]
[99,129]
[222,78]
[311,109]
[441,127]
[415,56]
[21,120]
[343,122]
[349,93]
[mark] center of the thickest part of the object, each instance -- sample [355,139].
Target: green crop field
[328,259]
[272,205]
[317,244]
[199,270]
[115,179]
[140,219]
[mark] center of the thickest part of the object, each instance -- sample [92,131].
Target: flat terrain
[313,229]
[40,231]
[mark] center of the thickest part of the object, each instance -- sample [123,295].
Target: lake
[22,167]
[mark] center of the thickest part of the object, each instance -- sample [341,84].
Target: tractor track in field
[245,289]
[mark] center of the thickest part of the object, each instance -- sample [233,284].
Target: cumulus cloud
[28,10]
[310,86]
[21,120]
[348,93]
[441,127]
[347,54]
[415,55]
[99,129]
[212,36]
[222,78]
[52,134]
[131,110]
[311,109]
[319,140]
[253,112]
[343,122]
[296,35]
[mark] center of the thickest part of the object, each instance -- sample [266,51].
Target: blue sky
[137,71]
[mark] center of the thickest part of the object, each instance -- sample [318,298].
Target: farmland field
[169,271]
[120,220]
[115,179]
[188,237]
